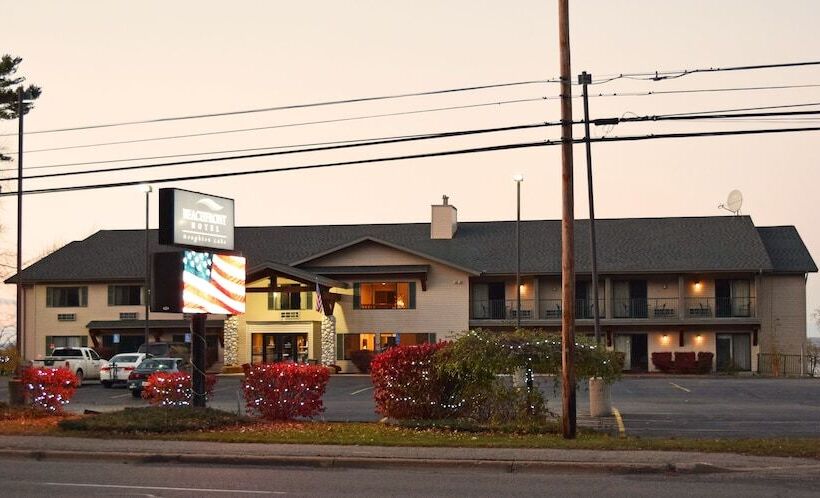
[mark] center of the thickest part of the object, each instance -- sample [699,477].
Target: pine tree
[9,82]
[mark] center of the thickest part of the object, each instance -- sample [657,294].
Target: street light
[518,178]
[147,292]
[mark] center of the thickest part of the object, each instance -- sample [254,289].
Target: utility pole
[585,79]
[568,420]
[19,338]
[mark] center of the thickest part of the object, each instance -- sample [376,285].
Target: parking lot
[650,406]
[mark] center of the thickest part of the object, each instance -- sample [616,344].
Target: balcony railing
[645,307]
[501,309]
[719,307]
[652,308]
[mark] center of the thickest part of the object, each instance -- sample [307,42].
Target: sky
[114,61]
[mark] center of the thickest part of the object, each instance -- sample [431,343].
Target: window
[65,341]
[124,295]
[128,316]
[66,297]
[66,317]
[384,295]
[290,300]
[346,344]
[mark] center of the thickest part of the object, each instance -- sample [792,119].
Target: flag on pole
[319,305]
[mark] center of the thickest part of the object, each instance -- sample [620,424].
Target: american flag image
[319,305]
[213,283]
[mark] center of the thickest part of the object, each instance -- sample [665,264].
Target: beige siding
[441,309]
[782,310]
[41,320]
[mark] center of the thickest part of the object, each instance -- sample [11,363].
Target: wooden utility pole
[568,422]
[20,311]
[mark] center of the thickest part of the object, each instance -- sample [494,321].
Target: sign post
[198,354]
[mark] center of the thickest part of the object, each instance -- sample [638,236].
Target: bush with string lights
[49,389]
[174,389]
[284,391]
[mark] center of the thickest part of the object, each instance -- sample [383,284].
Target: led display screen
[198,282]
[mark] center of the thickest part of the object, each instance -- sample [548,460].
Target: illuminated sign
[198,282]
[195,220]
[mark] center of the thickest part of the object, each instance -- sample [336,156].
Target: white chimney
[443,223]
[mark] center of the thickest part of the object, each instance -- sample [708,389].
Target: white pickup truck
[84,362]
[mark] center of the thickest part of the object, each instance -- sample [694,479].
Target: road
[651,406]
[82,479]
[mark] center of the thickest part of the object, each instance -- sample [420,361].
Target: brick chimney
[443,222]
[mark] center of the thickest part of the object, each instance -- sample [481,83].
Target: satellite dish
[733,202]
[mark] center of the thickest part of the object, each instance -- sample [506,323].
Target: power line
[412,156]
[667,75]
[291,106]
[297,151]
[715,116]
[702,90]
[287,125]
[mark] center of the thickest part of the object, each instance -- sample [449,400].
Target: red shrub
[174,388]
[685,362]
[405,382]
[48,389]
[663,361]
[284,391]
[705,362]
[362,359]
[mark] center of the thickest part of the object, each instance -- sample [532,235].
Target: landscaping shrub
[174,388]
[685,362]
[705,362]
[48,389]
[284,391]
[8,360]
[663,362]
[362,359]
[406,384]
[154,419]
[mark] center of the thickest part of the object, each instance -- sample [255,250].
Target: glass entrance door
[272,348]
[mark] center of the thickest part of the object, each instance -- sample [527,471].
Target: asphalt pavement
[664,406]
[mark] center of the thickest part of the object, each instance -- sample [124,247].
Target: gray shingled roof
[786,249]
[634,245]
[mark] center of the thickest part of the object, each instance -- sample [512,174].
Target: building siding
[782,310]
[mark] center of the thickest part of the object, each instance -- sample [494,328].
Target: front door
[498,303]
[284,348]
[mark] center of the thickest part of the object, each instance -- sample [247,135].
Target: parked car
[119,367]
[138,379]
[85,363]
[167,350]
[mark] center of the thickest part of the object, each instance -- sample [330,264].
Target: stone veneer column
[328,340]
[231,338]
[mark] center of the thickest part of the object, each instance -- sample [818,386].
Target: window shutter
[83,296]
[48,345]
[308,301]
[412,305]
[84,341]
[356,296]
[111,295]
[340,347]
[270,300]
[50,297]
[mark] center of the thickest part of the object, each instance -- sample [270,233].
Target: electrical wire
[286,125]
[409,156]
[292,106]
[702,90]
[667,75]
[449,134]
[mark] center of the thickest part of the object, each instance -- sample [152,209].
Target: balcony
[550,309]
[720,307]
[646,307]
[501,309]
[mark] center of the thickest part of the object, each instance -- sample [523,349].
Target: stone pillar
[328,340]
[231,338]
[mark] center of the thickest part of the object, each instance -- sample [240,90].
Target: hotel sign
[196,220]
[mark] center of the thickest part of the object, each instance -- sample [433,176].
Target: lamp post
[146,295]
[518,178]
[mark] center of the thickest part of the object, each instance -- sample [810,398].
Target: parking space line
[164,488]
[680,387]
[121,395]
[620,421]
[361,390]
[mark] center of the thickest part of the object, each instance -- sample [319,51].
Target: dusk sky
[109,61]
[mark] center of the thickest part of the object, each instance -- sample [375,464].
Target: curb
[317,461]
